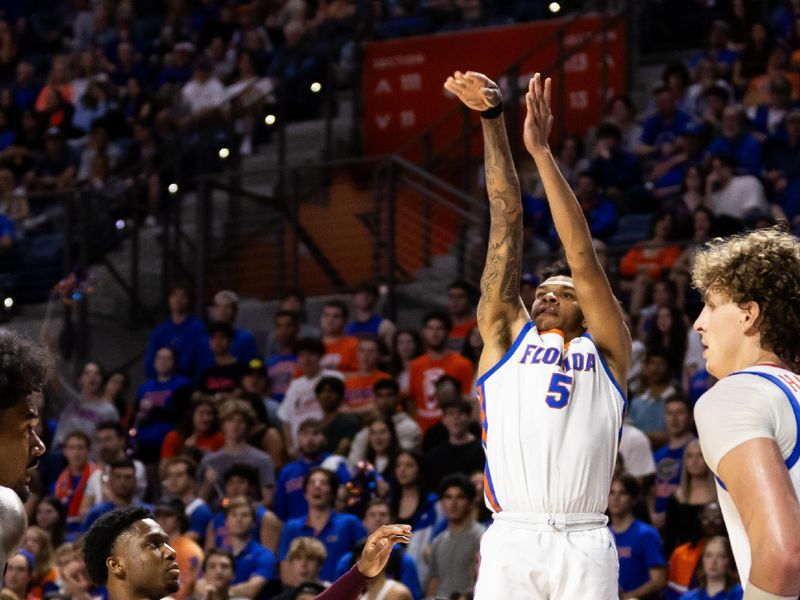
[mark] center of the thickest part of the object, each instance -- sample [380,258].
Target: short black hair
[459,404]
[338,304]
[462,284]
[243,470]
[726,159]
[81,435]
[219,552]
[630,483]
[293,293]
[122,463]
[116,426]
[24,368]
[333,480]
[387,383]
[558,268]
[310,344]
[681,398]
[225,329]
[608,130]
[438,315]
[99,542]
[368,287]
[459,481]
[333,383]
[285,312]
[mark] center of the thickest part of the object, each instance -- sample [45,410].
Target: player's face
[148,560]
[722,327]
[20,446]
[716,561]
[556,307]
[219,571]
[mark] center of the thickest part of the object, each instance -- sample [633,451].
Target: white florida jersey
[762,401]
[551,416]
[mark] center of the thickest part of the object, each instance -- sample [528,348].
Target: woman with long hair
[115,389]
[199,429]
[37,542]
[51,517]
[716,573]
[472,347]
[382,446]
[414,504]
[668,335]
[406,346]
[695,489]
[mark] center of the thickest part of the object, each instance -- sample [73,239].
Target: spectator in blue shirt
[669,458]
[717,578]
[122,490]
[255,564]
[614,169]
[25,87]
[289,501]
[401,566]
[718,51]
[183,332]
[224,310]
[338,532]
[642,566]
[737,142]
[178,475]
[667,118]
[646,410]
[159,404]
[600,212]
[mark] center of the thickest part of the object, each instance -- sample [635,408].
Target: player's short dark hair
[387,383]
[459,481]
[243,470]
[219,552]
[225,329]
[333,480]
[438,315]
[310,344]
[338,304]
[332,383]
[556,269]
[98,544]
[24,368]
[114,426]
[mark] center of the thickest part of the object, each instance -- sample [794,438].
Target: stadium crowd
[268,465]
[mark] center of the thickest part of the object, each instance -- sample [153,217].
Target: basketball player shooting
[749,420]
[551,404]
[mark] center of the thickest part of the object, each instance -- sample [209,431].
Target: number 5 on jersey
[560,390]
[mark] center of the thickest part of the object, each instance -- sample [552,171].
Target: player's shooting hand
[379,546]
[539,119]
[475,90]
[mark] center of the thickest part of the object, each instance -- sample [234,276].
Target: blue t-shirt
[735,593]
[640,549]
[161,418]
[655,125]
[185,338]
[103,508]
[254,559]
[745,149]
[408,570]
[289,501]
[243,348]
[221,530]
[199,517]
[668,474]
[371,325]
[339,535]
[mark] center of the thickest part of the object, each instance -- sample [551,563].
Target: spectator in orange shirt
[646,263]
[358,396]
[340,349]
[684,559]
[461,296]
[426,370]
[171,515]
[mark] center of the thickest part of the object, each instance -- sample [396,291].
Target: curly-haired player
[128,552]
[749,421]
[23,369]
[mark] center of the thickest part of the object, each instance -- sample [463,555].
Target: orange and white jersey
[551,415]
[762,401]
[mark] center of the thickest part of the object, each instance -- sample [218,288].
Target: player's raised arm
[501,314]
[600,308]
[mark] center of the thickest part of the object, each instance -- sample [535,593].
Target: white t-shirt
[636,451]
[408,432]
[300,402]
[740,408]
[95,487]
[203,96]
[743,194]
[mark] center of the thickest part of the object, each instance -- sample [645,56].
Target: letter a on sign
[383,87]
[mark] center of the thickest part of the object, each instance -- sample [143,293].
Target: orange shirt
[358,390]
[655,259]
[190,562]
[460,331]
[682,565]
[424,372]
[174,443]
[340,355]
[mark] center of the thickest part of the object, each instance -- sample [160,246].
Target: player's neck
[749,354]
[118,591]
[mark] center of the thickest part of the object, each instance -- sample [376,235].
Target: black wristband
[492,113]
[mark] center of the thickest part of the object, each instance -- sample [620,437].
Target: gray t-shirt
[84,415]
[221,461]
[453,559]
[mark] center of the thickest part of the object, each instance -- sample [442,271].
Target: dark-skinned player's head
[555,304]
[128,552]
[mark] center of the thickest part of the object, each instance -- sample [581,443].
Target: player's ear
[115,566]
[751,314]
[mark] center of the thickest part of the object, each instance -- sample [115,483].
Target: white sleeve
[636,452]
[742,408]
[284,412]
